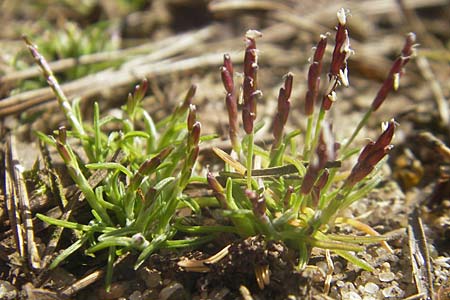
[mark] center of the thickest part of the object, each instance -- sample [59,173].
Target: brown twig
[420,258]
[20,206]
[157,51]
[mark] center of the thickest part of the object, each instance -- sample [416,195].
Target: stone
[7,290]
[386,276]
[174,291]
[371,288]
[351,295]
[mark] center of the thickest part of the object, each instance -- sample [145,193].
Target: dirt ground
[175,43]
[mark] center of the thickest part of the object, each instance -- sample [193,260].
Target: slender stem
[109,267]
[250,145]
[357,129]
[56,88]
[307,147]
[320,118]
[326,187]
[297,204]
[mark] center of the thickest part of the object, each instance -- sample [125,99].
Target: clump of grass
[290,195]
[69,41]
[147,164]
[283,192]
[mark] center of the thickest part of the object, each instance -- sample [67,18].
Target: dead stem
[419,256]
[20,205]
[246,295]
[262,274]
[422,62]
[437,145]
[366,229]
[439,97]
[12,204]
[193,265]
[329,277]
[230,5]
[83,283]
[158,50]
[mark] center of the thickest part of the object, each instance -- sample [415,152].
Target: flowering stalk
[397,70]
[314,72]
[372,153]
[54,85]
[338,70]
[218,190]
[283,108]
[135,98]
[249,84]
[390,83]
[325,152]
[184,106]
[231,102]
[194,128]
[72,115]
[147,167]
[369,157]
[75,173]
[250,94]
[318,187]
[258,204]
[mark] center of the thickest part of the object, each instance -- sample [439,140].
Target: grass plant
[283,192]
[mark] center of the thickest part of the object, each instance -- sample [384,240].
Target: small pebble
[7,290]
[380,251]
[150,294]
[351,295]
[340,283]
[386,276]
[219,294]
[365,276]
[117,290]
[371,288]
[386,267]
[174,290]
[136,295]
[337,267]
[151,277]
[323,267]
[350,286]
[393,292]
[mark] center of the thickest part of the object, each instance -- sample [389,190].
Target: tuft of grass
[134,203]
[291,194]
[282,193]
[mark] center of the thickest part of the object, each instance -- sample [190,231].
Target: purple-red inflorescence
[372,153]
[315,69]
[283,108]
[217,189]
[250,92]
[325,151]
[320,184]
[392,80]
[140,90]
[230,99]
[341,53]
[258,203]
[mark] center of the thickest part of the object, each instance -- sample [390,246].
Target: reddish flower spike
[371,155]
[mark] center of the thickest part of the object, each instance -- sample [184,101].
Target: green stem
[250,145]
[307,146]
[320,118]
[333,172]
[297,204]
[109,267]
[357,129]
